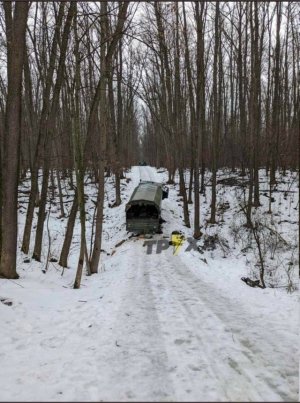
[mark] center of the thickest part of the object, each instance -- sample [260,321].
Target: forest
[206,96]
[90,87]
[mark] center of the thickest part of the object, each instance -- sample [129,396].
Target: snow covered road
[147,173]
[204,345]
[150,327]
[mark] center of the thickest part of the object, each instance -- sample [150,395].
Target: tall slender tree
[15,23]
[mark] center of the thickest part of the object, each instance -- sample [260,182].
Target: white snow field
[151,327]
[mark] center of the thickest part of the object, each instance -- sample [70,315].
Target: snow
[156,327]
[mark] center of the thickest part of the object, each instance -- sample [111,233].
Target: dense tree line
[94,86]
[222,89]
[78,113]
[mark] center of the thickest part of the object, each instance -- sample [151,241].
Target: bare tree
[216,112]
[107,53]
[15,21]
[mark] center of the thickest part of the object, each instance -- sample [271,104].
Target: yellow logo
[177,241]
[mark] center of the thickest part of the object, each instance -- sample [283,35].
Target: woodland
[89,89]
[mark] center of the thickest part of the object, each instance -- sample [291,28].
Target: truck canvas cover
[143,208]
[148,192]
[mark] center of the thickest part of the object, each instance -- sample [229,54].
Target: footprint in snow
[53,342]
[181,341]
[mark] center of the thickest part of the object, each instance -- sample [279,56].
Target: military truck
[143,211]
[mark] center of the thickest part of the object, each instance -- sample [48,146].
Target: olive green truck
[143,211]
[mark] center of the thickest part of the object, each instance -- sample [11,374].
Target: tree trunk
[190,200]
[184,196]
[63,260]
[199,126]
[61,202]
[42,132]
[276,99]
[99,220]
[216,116]
[50,123]
[78,157]
[34,195]
[41,217]
[15,34]
[106,54]
[105,69]
[257,117]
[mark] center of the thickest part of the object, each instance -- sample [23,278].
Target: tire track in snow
[250,332]
[193,342]
[140,361]
[163,339]
[202,367]
[244,366]
[242,371]
[147,173]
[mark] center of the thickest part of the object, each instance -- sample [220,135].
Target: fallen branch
[120,243]
[251,283]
